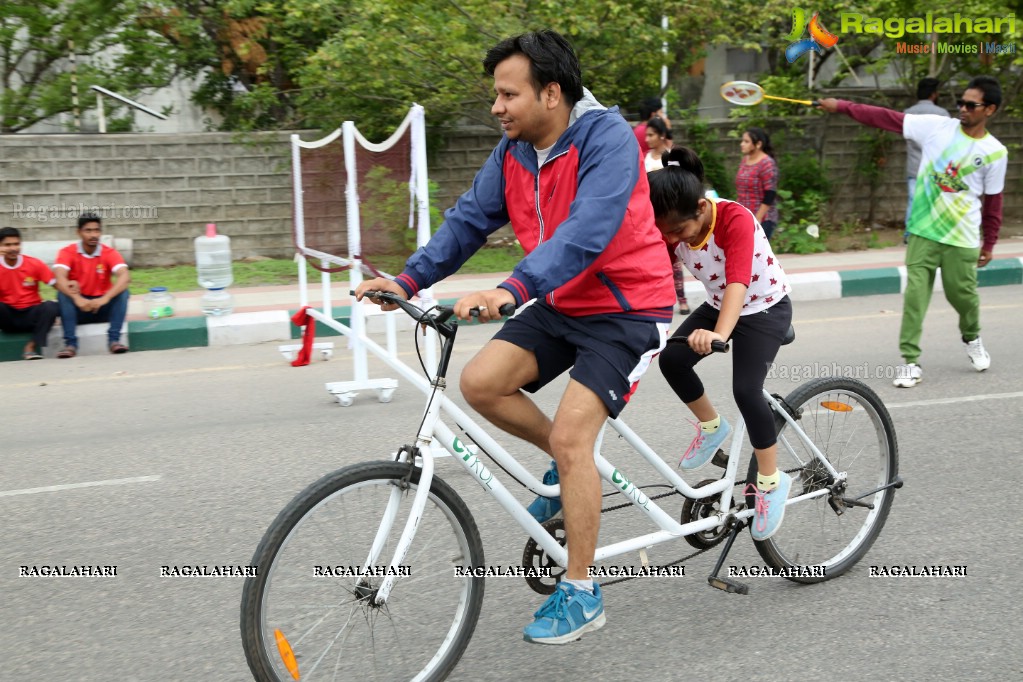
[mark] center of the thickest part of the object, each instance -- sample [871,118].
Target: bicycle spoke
[332,623]
[848,424]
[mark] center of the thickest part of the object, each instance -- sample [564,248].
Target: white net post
[296,181]
[358,319]
[351,140]
[421,184]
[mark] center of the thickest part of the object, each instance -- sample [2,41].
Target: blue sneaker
[546,508]
[704,445]
[769,507]
[566,615]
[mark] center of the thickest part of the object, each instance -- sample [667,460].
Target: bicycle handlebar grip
[715,346]
[506,310]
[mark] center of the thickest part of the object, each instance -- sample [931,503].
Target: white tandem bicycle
[401,615]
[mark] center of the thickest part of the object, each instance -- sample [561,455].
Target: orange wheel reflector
[836,406]
[287,655]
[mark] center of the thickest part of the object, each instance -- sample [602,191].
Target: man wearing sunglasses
[956,216]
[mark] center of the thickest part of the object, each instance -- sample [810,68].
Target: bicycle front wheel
[308,616]
[851,427]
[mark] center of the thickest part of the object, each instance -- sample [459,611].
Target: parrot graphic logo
[820,39]
[949,180]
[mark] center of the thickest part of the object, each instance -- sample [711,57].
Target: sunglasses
[961,103]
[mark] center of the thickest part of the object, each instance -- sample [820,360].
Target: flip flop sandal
[118,348]
[31,355]
[67,352]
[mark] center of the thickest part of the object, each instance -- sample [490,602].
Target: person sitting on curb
[21,307]
[87,291]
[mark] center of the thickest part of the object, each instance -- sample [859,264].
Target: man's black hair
[989,86]
[86,218]
[648,106]
[6,232]
[551,58]
[927,87]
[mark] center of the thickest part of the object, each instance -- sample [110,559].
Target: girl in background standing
[756,183]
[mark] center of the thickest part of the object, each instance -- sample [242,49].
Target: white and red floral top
[737,250]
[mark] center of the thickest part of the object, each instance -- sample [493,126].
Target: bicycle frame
[434,430]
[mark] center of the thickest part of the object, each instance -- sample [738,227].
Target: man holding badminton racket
[956,214]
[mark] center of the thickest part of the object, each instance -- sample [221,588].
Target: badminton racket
[748,94]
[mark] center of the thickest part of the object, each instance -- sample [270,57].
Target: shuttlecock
[813,231]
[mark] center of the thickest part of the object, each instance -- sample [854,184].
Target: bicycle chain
[671,563]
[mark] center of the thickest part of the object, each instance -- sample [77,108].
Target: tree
[313,63]
[245,53]
[388,54]
[38,38]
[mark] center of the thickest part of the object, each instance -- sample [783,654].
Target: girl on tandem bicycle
[724,246]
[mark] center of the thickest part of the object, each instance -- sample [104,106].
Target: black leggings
[755,343]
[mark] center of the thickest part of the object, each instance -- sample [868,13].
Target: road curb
[275,325]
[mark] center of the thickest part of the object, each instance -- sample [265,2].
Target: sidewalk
[263,314]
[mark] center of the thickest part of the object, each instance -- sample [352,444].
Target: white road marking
[962,399]
[72,486]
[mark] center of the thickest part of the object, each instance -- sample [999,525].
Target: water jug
[216,303]
[213,259]
[159,303]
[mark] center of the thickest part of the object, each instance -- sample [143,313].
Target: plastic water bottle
[213,259]
[159,303]
[216,303]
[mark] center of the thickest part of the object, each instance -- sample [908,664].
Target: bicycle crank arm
[722,583]
[838,504]
[897,483]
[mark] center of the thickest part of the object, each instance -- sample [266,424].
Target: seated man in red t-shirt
[87,289]
[21,307]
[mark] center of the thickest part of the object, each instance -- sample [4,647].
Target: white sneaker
[908,376]
[978,356]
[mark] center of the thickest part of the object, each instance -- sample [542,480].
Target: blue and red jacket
[584,220]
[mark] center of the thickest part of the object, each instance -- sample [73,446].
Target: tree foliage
[389,53]
[266,64]
[111,47]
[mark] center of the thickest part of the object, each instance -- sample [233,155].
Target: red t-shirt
[91,272]
[19,285]
[640,132]
[737,250]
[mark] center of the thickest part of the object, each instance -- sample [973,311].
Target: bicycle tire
[306,609]
[846,408]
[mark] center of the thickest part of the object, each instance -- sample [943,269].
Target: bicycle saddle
[790,336]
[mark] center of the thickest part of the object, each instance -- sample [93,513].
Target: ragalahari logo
[820,39]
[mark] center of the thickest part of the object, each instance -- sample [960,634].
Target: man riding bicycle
[568,176]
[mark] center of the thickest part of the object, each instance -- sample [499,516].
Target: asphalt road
[196,450]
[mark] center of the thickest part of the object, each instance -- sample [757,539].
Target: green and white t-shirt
[956,171]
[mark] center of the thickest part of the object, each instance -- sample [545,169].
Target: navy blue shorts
[607,355]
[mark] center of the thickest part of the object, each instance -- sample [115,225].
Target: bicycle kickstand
[725,583]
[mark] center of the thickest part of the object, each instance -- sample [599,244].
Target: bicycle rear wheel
[851,427]
[303,618]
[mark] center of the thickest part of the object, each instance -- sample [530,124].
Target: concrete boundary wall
[159,190]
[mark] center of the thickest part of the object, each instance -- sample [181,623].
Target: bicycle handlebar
[444,312]
[715,346]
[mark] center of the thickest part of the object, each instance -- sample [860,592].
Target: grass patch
[276,272]
[246,274]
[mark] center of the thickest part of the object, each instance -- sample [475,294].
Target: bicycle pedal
[720,459]
[727,585]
